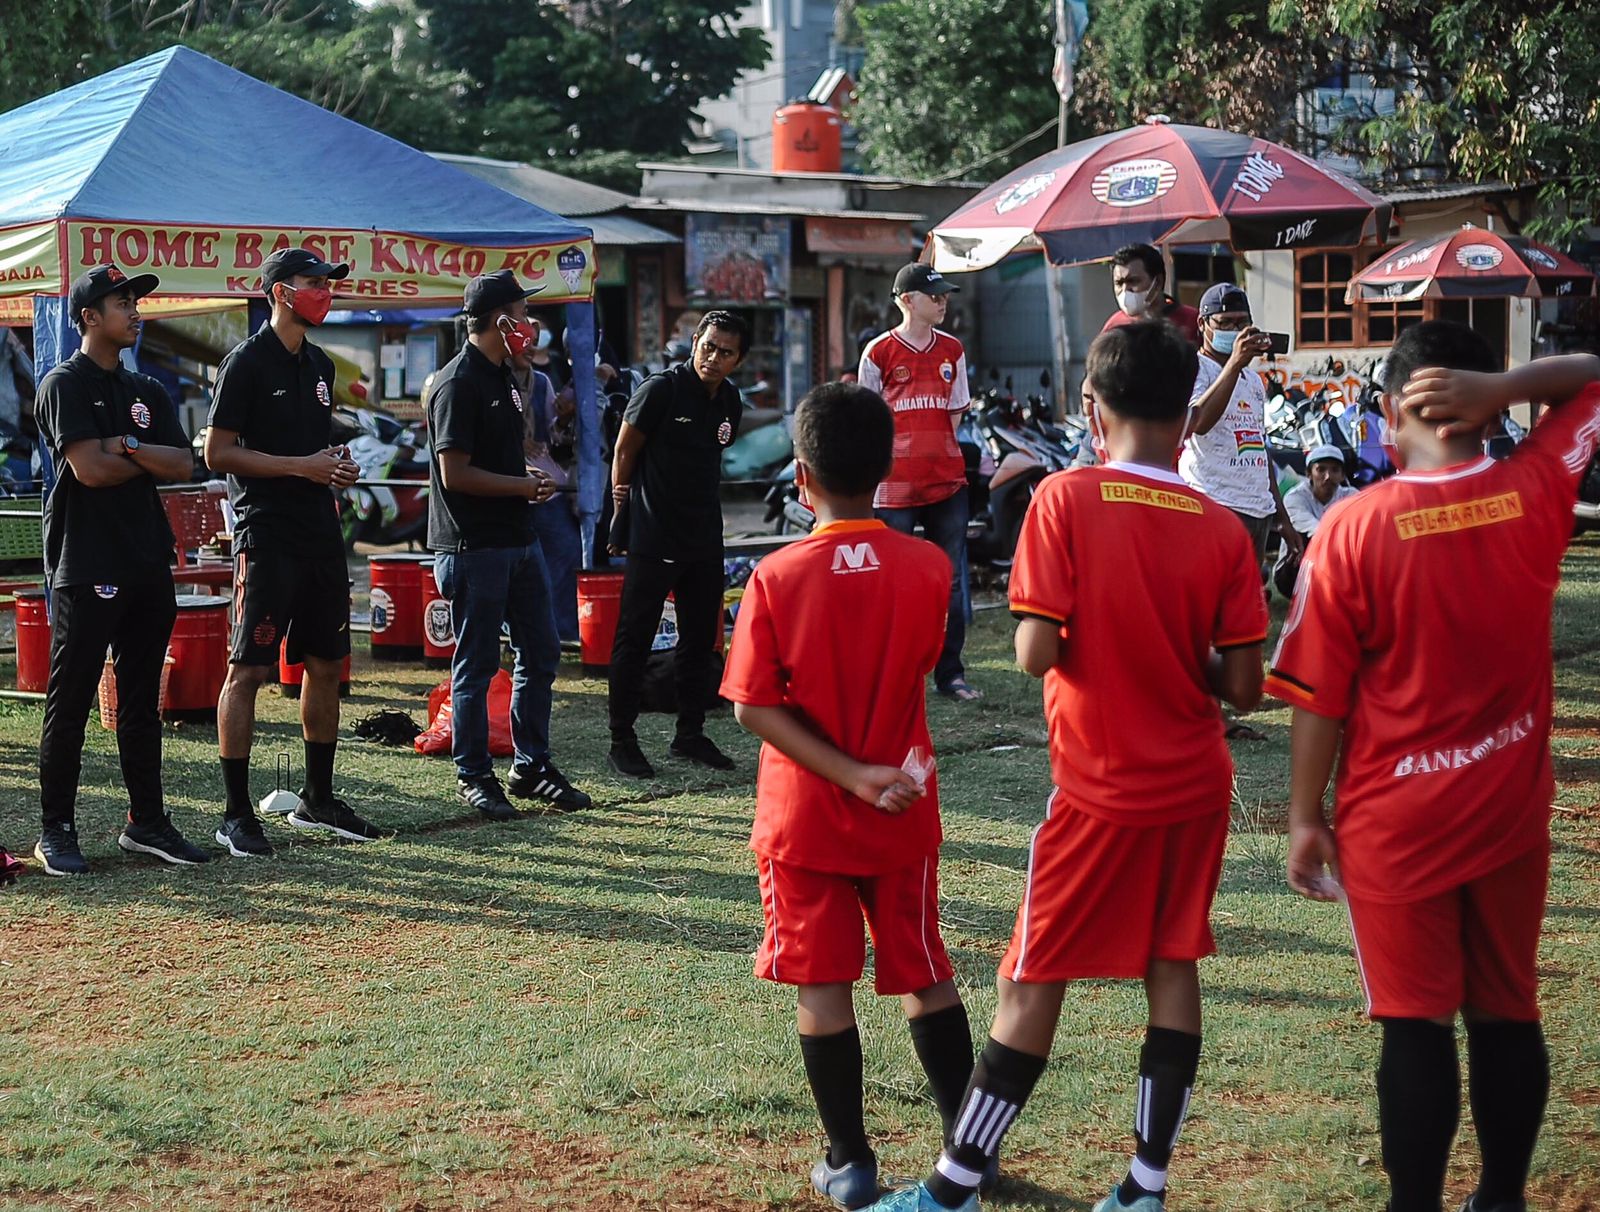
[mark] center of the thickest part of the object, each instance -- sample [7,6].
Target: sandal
[1240,731]
[961,692]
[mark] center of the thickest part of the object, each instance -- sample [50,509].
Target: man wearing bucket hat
[269,431]
[1307,502]
[489,563]
[113,435]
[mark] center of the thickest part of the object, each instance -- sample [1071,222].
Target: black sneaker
[162,839]
[701,750]
[58,851]
[550,786]
[627,758]
[484,794]
[243,836]
[335,817]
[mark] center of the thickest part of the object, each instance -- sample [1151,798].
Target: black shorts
[277,593]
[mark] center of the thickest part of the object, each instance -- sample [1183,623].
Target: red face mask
[520,336]
[311,303]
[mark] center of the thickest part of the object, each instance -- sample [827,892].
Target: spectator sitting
[1307,502]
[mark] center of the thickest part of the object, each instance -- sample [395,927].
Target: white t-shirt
[1305,511]
[1229,464]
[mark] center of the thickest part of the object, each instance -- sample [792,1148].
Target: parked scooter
[384,448]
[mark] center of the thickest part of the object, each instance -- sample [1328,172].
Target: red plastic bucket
[397,605]
[33,641]
[599,608]
[199,650]
[292,675]
[438,627]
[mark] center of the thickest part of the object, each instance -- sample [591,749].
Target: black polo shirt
[675,506]
[477,409]
[104,536]
[279,403]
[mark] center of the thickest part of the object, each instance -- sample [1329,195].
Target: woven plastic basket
[108,691]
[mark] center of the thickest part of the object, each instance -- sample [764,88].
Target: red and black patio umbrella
[1156,184]
[1470,263]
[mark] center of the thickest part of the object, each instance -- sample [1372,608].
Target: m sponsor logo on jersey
[1433,761]
[324,396]
[1479,257]
[1250,441]
[1023,192]
[858,557]
[141,414]
[1133,182]
[1466,515]
[1121,492]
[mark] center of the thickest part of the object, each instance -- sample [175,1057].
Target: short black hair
[1442,343]
[844,434]
[728,322]
[1145,370]
[1149,257]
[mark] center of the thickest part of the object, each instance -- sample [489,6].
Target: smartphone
[1280,342]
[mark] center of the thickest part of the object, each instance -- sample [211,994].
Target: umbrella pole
[1062,399]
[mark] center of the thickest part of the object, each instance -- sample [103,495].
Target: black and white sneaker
[486,795]
[162,839]
[244,837]
[58,851]
[549,786]
[335,817]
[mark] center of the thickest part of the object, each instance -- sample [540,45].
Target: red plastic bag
[436,740]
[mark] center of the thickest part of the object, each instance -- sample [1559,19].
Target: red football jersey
[1145,577]
[841,628]
[1422,620]
[1180,315]
[923,387]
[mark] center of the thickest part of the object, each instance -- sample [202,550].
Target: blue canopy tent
[180,166]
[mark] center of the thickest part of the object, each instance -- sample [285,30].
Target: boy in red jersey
[921,373]
[835,636]
[1140,604]
[1442,698]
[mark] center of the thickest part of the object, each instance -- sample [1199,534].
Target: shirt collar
[848,526]
[87,365]
[1164,474]
[1441,475]
[480,362]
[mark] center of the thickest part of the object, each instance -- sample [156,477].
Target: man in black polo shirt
[271,418]
[108,547]
[666,476]
[489,564]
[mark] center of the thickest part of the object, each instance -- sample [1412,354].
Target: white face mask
[1133,304]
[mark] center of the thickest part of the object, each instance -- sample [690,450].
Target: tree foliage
[948,84]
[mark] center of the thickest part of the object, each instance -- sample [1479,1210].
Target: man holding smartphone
[1225,452]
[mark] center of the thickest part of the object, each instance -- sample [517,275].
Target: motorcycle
[384,448]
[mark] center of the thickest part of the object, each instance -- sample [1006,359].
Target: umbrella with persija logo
[1470,263]
[1155,184]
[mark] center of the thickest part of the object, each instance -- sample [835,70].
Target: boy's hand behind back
[1460,401]
[889,787]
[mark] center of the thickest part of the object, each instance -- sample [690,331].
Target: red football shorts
[814,934]
[1476,945]
[1103,900]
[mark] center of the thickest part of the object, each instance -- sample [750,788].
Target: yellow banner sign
[386,268]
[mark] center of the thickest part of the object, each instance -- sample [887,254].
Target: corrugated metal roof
[619,231]
[707,206]
[563,195]
[1445,190]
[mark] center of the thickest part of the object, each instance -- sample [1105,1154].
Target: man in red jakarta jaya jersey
[1442,696]
[834,638]
[922,373]
[1139,604]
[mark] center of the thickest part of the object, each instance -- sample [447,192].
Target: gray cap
[1326,452]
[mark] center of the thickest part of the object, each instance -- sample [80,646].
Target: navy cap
[923,278]
[1224,296]
[104,280]
[489,292]
[287,262]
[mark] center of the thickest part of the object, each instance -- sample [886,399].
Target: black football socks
[1001,1082]
[1508,1081]
[943,1041]
[833,1069]
[1419,1108]
[319,770]
[236,786]
[1168,1063]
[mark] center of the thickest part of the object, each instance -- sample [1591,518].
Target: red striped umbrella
[1470,263]
[1155,184]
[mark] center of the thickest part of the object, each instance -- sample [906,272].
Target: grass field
[560,1012]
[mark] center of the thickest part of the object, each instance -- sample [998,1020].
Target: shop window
[1322,317]
[1193,272]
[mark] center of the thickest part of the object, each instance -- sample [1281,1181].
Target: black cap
[1224,296]
[923,278]
[490,292]
[103,280]
[286,262]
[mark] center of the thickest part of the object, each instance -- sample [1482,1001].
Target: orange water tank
[806,139]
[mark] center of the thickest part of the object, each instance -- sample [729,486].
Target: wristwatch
[129,443]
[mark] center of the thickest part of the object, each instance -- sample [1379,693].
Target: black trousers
[135,622]
[696,587]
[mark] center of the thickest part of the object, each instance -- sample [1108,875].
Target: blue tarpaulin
[179,140]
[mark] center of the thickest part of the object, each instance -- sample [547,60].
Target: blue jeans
[557,528]
[944,524]
[487,589]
